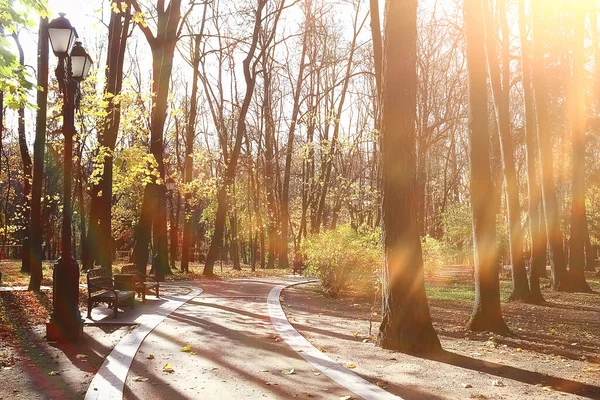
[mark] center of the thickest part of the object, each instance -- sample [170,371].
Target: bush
[344,258]
[435,254]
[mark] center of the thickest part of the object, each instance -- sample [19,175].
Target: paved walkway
[110,378]
[234,351]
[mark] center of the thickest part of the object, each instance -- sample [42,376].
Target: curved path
[236,352]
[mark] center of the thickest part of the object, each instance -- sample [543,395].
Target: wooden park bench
[101,289]
[298,267]
[142,283]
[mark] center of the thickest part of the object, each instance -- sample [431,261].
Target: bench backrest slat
[98,279]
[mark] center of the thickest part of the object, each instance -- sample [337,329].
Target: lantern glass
[80,62]
[88,66]
[62,35]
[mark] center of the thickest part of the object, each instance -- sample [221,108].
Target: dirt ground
[554,350]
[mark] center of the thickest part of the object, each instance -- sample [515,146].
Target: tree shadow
[517,374]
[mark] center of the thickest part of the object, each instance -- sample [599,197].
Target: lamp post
[73,65]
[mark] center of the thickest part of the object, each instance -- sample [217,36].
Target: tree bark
[576,275]
[553,232]
[230,172]
[500,84]
[38,157]
[27,176]
[487,314]
[538,243]
[99,248]
[285,193]
[406,324]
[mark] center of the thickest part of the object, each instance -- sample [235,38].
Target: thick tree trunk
[553,232]
[501,90]
[99,248]
[487,314]
[406,324]
[163,50]
[576,276]
[538,243]
[39,147]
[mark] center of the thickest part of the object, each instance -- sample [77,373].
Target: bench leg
[157,296]
[89,309]
[116,309]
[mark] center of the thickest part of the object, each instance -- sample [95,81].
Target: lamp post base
[65,322]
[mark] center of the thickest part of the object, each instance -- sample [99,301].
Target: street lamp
[73,65]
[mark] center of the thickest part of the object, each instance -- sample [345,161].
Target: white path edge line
[109,381]
[323,363]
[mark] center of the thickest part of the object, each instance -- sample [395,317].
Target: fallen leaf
[467,385]
[365,341]
[168,368]
[346,398]
[518,349]
[309,394]
[316,373]
[270,383]
[53,373]
[186,348]
[356,334]
[288,371]
[150,357]
[350,366]
[272,336]
[81,356]
[140,379]
[264,370]
[322,350]
[497,383]
[192,353]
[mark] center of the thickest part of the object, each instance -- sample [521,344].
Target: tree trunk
[230,172]
[487,314]
[27,176]
[538,243]
[39,147]
[99,248]
[553,232]
[285,193]
[406,324]
[576,276]
[501,91]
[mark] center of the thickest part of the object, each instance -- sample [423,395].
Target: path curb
[310,353]
[109,381]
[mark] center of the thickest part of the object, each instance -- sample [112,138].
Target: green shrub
[344,258]
[435,253]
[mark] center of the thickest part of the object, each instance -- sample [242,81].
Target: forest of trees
[467,131]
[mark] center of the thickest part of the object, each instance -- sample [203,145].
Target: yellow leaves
[82,356]
[139,18]
[350,365]
[150,357]
[140,379]
[53,373]
[186,349]
[288,372]
[168,368]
